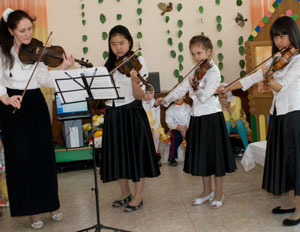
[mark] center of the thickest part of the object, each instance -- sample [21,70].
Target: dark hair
[285,25]
[203,40]
[6,39]
[117,30]
[149,88]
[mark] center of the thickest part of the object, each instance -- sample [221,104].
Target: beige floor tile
[167,205]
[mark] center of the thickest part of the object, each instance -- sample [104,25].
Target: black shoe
[278,210]
[290,222]
[120,203]
[173,162]
[158,159]
[130,208]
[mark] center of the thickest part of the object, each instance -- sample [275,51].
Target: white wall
[64,19]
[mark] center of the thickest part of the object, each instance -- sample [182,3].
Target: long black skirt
[282,163]
[208,150]
[128,147]
[29,156]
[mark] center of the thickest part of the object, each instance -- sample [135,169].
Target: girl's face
[23,32]
[198,53]
[119,45]
[282,41]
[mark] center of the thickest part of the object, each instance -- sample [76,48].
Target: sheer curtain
[258,9]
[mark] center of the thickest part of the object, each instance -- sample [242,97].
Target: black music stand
[89,86]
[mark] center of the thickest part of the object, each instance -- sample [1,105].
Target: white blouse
[288,98]
[178,115]
[204,102]
[18,76]
[125,86]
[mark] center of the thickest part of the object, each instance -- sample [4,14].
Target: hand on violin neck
[68,61]
[160,101]
[134,76]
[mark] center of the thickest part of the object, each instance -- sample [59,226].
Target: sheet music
[70,86]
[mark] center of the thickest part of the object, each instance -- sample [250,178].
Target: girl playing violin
[27,138]
[208,150]
[282,163]
[128,148]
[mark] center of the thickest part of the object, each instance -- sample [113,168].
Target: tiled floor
[167,205]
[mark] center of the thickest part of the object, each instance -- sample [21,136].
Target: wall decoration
[240,20]
[102,18]
[239,2]
[242,52]
[84,37]
[139,34]
[220,43]
[219,25]
[268,15]
[179,7]
[119,17]
[165,8]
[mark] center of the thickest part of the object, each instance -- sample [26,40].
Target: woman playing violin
[282,163]
[128,147]
[27,137]
[208,151]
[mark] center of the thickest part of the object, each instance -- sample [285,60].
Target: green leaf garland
[167,18]
[242,64]
[180,58]
[179,7]
[139,35]
[176,73]
[179,23]
[241,50]
[102,18]
[241,40]
[119,16]
[201,9]
[105,55]
[85,50]
[180,46]
[173,54]
[139,11]
[104,35]
[179,33]
[84,38]
[220,43]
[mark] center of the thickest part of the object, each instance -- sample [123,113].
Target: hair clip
[6,13]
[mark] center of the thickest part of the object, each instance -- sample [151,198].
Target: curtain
[258,9]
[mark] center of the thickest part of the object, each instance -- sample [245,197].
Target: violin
[200,73]
[128,62]
[52,56]
[280,60]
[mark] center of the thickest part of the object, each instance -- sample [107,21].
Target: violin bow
[254,69]
[125,60]
[200,62]
[37,63]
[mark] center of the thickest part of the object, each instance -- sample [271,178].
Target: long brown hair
[6,39]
